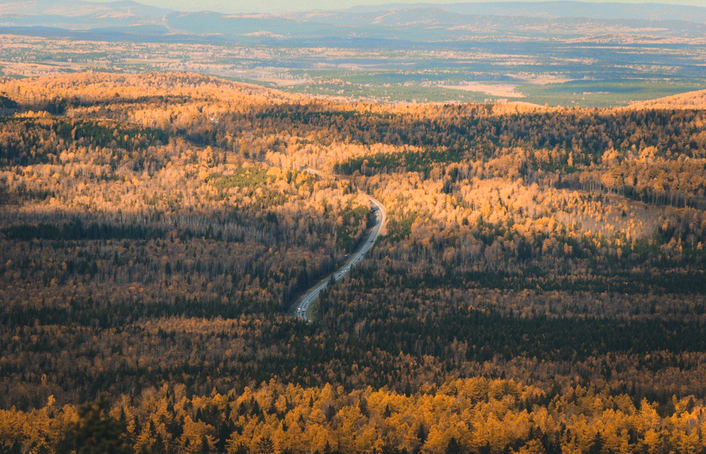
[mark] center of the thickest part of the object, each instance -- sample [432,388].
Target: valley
[383,54]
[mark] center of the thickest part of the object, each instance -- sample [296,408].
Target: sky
[303,5]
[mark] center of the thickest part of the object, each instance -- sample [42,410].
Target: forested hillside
[540,285]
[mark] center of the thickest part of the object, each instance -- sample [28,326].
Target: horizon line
[681,3]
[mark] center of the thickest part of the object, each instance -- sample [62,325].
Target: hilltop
[690,100]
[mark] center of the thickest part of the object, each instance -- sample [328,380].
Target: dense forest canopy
[540,285]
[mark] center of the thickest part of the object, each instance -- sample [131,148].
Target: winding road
[302,309]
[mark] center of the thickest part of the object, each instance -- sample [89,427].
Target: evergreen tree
[96,432]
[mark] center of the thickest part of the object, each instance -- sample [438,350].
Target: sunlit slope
[690,100]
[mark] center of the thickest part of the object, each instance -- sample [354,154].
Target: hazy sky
[299,5]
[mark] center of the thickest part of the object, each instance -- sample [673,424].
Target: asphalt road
[302,308]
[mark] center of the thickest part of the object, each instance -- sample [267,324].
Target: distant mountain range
[79,8]
[561,9]
[412,22]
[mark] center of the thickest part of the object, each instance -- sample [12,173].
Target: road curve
[302,308]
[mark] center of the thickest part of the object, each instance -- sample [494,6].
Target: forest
[539,286]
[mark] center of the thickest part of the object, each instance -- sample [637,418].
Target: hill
[560,9]
[690,100]
[84,15]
